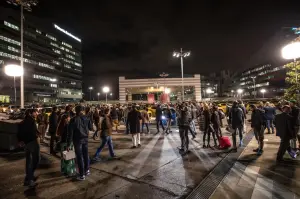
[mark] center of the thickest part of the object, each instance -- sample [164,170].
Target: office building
[52,59]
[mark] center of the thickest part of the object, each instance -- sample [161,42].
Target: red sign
[151,98]
[164,98]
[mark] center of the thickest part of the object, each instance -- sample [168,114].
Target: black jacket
[79,128]
[215,119]
[283,124]
[295,116]
[236,117]
[133,120]
[53,122]
[27,130]
[158,113]
[257,118]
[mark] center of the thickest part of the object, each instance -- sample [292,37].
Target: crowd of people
[69,129]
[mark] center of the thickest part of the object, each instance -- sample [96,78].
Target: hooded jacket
[79,128]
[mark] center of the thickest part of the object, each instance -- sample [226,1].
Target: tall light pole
[105,90]
[254,85]
[98,94]
[15,71]
[25,4]
[263,92]
[292,51]
[181,54]
[91,88]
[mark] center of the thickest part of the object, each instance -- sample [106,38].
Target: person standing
[168,115]
[133,121]
[126,111]
[145,119]
[284,130]
[96,117]
[257,124]
[270,113]
[53,123]
[159,118]
[114,117]
[206,123]
[236,119]
[216,122]
[184,125]
[79,128]
[295,113]
[42,121]
[28,135]
[106,136]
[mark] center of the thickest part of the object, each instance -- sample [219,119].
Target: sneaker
[80,178]
[256,150]
[87,173]
[204,146]
[133,147]
[241,144]
[139,145]
[293,154]
[30,183]
[259,152]
[115,157]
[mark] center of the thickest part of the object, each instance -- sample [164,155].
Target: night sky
[137,37]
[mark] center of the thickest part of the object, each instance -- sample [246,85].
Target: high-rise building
[52,59]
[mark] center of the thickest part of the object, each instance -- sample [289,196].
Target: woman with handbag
[67,166]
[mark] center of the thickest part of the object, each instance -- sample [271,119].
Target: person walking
[115,117]
[184,124]
[96,118]
[145,119]
[270,113]
[216,122]
[28,135]
[53,123]
[133,121]
[79,128]
[159,118]
[126,111]
[42,121]
[106,136]
[284,130]
[206,122]
[168,115]
[257,124]
[236,119]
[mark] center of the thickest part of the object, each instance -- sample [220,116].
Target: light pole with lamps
[25,4]
[209,91]
[240,91]
[263,92]
[292,51]
[105,90]
[254,85]
[181,54]
[91,88]
[15,71]
[98,94]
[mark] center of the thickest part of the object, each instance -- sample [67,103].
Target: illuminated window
[66,44]
[54,44]
[46,65]
[3,54]
[73,83]
[51,37]
[77,64]
[67,66]
[13,49]
[11,25]
[56,62]
[70,56]
[53,85]
[38,31]
[10,40]
[44,78]
[56,51]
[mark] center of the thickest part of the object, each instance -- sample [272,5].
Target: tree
[293,80]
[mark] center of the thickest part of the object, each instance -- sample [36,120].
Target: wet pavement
[156,170]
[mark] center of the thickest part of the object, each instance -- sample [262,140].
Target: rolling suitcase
[224,142]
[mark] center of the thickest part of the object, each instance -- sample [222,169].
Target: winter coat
[183,118]
[114,114]
[145,116]
[295,116]
[158,113]
[284,128]
[28,131]
[207,119]
[133,121]
[53,122]
[236,117]
[257,118]
[215,119]
[79,128]
[270,113]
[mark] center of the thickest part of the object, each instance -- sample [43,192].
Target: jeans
[259,136]
[183,132]
[284,146]
[106,140]
[240,129]
[147,126]
[82,155]
[32,151]
[193,125]
[270,125]
[159,122]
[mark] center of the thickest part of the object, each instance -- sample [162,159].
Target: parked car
[3,108]
[11,109]
[20,114]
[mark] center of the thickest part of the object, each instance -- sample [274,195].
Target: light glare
[13,70]
[105,89]
[291,51]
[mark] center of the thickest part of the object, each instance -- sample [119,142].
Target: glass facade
[52,61]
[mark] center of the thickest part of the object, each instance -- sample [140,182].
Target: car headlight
[163,117]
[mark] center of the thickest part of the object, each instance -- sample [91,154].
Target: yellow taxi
[3,108]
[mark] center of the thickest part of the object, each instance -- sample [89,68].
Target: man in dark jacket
[53,122]
[133,121]
[284,129]
[184,124]
[79,128]
[257,124]
[158,118]
[28,135]
[296,120]
[114,113]
[236,119]
[270,113]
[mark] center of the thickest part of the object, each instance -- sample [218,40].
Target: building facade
[52,59]
[130,87]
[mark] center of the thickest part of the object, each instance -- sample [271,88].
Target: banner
[164,98]
[151,98]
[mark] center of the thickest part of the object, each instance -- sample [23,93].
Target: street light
[209,91]
[240,91]
[98,94]
[254,85]
[91,88]
[15,71]
[105,90]
[181,54]
[25,4]
[263,92]
[167,90]
[292,51]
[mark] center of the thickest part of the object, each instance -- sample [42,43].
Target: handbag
[69,155]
